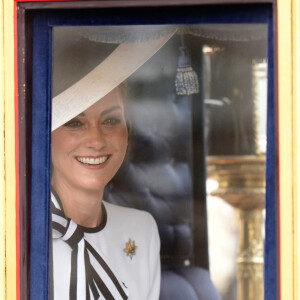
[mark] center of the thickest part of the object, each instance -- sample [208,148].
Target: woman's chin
[92,186]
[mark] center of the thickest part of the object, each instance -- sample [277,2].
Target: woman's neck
[82,206]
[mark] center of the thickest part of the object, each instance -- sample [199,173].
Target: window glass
[195,112]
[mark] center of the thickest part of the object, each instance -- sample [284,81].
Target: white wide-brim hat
[135,45]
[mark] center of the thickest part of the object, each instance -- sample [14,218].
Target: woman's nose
[95,137]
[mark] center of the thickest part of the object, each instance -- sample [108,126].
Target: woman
[99,250]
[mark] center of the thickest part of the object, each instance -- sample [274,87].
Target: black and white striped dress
[90,263]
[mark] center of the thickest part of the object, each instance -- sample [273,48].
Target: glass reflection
[219,121]
[236,108]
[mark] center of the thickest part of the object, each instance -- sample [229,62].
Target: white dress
[139,272]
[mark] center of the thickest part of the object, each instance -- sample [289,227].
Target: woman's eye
[73,123]
[112,121]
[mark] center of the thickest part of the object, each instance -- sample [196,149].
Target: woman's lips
[92,161]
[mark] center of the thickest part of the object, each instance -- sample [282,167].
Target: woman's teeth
[92,161]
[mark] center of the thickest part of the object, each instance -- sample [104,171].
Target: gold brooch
[130,248]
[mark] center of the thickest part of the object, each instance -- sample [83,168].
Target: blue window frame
[43,21]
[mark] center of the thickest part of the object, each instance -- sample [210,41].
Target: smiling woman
[87,151]
[99,250]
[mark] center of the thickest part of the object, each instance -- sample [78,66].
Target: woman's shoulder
[128,215]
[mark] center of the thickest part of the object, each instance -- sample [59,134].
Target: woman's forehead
[111,102]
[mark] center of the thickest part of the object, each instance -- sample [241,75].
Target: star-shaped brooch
[130,248]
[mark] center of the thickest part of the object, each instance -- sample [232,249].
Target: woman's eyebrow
[105,111]
[110,109]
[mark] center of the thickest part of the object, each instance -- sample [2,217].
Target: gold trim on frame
[7,152]
[296,140]
[289,145]
[289,149]
[2,193]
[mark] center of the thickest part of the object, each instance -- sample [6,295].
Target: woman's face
[88,150]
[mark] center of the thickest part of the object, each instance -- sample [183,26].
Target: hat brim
[117,67]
